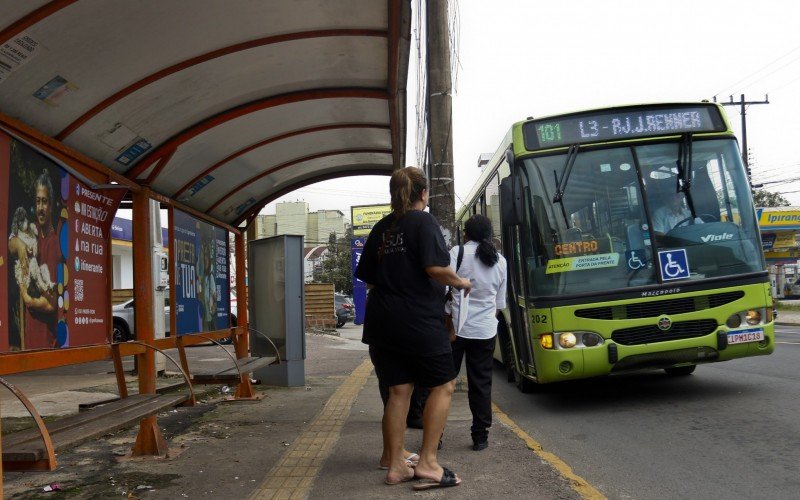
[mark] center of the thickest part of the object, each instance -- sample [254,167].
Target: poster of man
[34,253]
[54,247]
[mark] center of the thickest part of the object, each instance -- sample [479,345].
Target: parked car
[345,309]
[123,328]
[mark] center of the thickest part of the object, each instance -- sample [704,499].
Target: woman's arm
[446,276]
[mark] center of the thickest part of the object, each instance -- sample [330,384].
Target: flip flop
[411,460]
[448,479]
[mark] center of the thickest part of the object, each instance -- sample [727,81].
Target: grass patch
[782,306]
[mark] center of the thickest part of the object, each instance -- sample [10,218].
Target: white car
[123,328]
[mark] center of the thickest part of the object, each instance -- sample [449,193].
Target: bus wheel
[680,371]
[507,352]
[525,385]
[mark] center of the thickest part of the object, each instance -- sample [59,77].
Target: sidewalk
[318,441]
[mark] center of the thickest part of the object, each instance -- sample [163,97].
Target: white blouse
[487,296]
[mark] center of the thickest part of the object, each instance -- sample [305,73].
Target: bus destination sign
[621,123]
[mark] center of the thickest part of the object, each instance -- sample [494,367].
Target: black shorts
[397,368]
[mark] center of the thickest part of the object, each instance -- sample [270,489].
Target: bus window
[704,220]
[597,236]
[493,210]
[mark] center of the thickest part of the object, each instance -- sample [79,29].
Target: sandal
[411,461]
[448,479]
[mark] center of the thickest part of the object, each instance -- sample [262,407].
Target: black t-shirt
[405,307]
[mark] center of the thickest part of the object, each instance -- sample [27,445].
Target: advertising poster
[53,253]
[366,216]
[202,288]
[363,217]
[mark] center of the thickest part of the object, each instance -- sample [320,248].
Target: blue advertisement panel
[202,288]
[359,287]
[364,217]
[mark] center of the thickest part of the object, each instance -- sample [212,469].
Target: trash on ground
[52,487]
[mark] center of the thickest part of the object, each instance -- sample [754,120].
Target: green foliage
[337,267]
[764,198]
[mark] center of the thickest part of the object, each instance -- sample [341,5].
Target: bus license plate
[743,336]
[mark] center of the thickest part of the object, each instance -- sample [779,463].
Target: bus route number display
[621,124]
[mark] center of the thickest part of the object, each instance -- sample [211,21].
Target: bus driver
[672,213]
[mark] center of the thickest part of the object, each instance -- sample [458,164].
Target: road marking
[795,343]
[293,475]
[580,485]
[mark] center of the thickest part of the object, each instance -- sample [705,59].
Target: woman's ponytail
[478,228]
[405,187]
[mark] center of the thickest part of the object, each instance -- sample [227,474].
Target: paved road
[731,430]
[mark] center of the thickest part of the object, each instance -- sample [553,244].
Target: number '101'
[549,132]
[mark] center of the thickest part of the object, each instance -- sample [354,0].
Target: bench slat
[62,424]
[230,375]
[27,445]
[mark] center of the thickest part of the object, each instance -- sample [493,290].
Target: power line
[759,70]
[743,112]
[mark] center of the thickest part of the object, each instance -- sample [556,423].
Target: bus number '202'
[540,318]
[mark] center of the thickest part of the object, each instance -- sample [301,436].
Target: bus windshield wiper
[684,164]
[561,185]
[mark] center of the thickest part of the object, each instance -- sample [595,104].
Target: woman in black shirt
[406,265]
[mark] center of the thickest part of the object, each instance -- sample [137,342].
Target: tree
[764,198]
[337,268]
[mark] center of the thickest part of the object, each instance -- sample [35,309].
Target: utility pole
[440,114]
[743,112]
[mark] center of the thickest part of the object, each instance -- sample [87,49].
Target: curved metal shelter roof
[221,105]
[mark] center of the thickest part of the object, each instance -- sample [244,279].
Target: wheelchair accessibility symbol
[636,259]
[674,264]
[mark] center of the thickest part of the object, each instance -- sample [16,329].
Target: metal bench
[26,450]
[34,448]
[233,375]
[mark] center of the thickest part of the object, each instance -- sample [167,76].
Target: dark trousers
[479,381]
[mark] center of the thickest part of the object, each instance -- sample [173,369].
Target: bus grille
[648,334]
[640,310]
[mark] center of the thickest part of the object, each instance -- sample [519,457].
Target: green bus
[631,240]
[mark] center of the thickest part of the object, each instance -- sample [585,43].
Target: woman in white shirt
[486,270]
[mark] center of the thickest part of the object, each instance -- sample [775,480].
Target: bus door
[516,287]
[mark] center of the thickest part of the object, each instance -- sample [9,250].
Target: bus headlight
[753,317]
[567,340]
[591,339]
[734,321]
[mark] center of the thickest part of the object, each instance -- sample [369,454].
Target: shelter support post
[1,454]
[241,340]
[150,440]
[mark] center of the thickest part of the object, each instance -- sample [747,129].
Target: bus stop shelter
[212,109]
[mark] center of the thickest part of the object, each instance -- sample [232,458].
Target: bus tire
[680,371]
[525,385]
[507,353]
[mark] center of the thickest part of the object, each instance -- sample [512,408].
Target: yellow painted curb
[583,488]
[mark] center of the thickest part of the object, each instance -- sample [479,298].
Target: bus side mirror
[510,202]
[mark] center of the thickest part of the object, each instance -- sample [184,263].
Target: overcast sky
[520,58]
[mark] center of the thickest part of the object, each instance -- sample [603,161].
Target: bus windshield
[633,216]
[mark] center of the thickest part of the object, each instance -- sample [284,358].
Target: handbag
[449,327]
